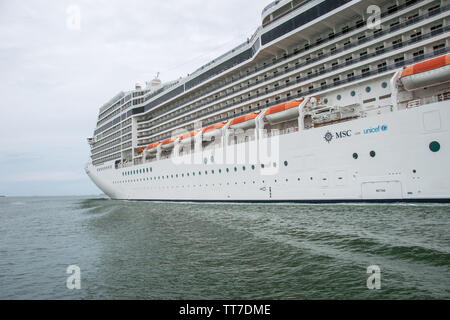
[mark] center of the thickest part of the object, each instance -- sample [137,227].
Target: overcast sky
[54,76]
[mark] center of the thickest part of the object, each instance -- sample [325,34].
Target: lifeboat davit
[427,73]
[168,143]
[244,122]
[283,112]
[213,131]
[153,147]
[188,137]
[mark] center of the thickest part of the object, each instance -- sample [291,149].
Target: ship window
[384,85]
[372,154]
[212,159]
[253,167]
[235,169]
[355,156]
[206,172]
[199,173]
[353,93]
[262,165]
[212,171]
[368,89]
[286,163]
[243,168]
[220,170]
[274,164]
[228,170]
[435,146]
[339,97]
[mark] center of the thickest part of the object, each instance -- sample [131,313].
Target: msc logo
[376,129]
[338,135]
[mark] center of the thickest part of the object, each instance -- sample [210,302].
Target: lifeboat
[153,147]
[427,73]
[244,122]
[140,150]
[168,143]
[213,131]
[283,112]
[188,137]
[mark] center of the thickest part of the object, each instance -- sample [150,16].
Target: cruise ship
[328,101]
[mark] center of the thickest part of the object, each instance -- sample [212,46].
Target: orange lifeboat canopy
[244,118]
[428,65]
[215,126]
[153,145]
[189,134]
[140,150]
[167,141]
[284,106]
[246,121]
[427,73]
[283,112]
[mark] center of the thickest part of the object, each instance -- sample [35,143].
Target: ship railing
[332,68]
[313,91]
[313,46]
[421,101]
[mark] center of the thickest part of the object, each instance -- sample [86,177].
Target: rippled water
[144,250]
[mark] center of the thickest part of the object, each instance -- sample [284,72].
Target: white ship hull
[402,169]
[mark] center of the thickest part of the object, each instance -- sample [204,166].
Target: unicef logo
[328,137]
[379,128]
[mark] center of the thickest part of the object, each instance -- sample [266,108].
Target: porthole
[228,170]
[274,164]
[243,168]
[235,169]
[372,154]
[212,171]
[339,97]
[220,170]
[384,85]
[353,93]
[325,101]
[212,159]
[205,161]
[368,89]
[286,163]
[193,173]
[206,172]
[262,165]
[435,146]
[355,156]
[253,167]
[199,173]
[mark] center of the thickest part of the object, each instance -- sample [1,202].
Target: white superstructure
[320,104]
